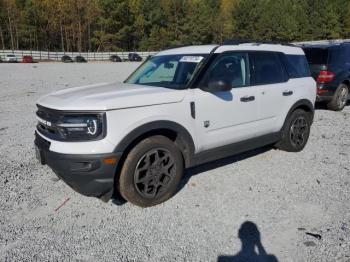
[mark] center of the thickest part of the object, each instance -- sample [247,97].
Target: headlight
[71,126]
[80,127]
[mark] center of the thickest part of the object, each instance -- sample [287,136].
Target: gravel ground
[283,195]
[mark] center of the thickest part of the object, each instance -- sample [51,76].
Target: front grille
[47,120]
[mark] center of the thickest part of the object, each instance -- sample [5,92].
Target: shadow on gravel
[220,163]
[252,249]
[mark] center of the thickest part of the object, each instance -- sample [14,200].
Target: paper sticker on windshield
[191,59]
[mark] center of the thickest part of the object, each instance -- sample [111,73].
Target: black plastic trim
[193,110]
[183,136]
[85,173]
[235,148]
[300,103]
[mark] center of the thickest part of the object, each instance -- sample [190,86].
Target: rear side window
[316,56]
[267,68]
[296,65]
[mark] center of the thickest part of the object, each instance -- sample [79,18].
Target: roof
[323,43]
[206,49]
[287,49]
[195,49]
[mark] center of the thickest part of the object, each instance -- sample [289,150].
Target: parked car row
[132,57]
[11,58]
[77,59]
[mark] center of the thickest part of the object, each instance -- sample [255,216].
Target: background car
[115,58]
[66,59]
[80,59]
[10,58]
[0,60]
[134,57]
[27,59]
[330,66]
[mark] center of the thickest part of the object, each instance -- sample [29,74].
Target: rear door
[273,91]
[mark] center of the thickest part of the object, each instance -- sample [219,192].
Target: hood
[103,97]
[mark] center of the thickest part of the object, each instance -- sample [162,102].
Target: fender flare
[301,103]
[183,138]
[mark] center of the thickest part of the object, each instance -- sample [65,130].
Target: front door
[225,117]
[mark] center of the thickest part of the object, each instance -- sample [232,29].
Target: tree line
[150,25]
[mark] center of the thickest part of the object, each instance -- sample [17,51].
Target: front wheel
[295,132]
[339,99]
[151,172]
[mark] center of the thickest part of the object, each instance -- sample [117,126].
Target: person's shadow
[252,250]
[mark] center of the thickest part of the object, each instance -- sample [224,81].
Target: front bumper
[89,175]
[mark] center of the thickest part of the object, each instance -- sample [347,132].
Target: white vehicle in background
[10,58]
[182,107]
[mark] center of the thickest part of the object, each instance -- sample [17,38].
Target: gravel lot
[285,195]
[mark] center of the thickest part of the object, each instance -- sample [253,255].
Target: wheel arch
[347,82]
[304,104]
[172,130]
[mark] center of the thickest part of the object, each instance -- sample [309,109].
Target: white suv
[181,107]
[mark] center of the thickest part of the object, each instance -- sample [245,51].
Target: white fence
[56,56]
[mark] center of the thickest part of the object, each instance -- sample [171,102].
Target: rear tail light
[325,77]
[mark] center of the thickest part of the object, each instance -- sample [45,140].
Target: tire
[339,99]
[296,131]
[151,172]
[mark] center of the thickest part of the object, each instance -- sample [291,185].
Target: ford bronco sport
[180,108]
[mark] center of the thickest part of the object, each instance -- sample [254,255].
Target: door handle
[247,98]
[287,93]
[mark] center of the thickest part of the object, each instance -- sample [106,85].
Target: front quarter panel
[122,122]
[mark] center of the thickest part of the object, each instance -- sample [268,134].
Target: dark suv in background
[330,66]
[134,57]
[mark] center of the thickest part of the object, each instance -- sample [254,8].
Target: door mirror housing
[218,86]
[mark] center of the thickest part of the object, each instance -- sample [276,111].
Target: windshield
[170,71]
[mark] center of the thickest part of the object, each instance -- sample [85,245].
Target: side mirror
[218,86]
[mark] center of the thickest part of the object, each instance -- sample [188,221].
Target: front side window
[231,68]
[170,71]
[267,68]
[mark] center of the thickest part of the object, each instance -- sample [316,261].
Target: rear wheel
[296,131]
[151,172]
[339,99]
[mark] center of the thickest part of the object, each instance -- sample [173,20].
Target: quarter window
[266,68]
[296,65]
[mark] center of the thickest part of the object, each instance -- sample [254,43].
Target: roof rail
[323,42]
[173,46]
[257,42]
